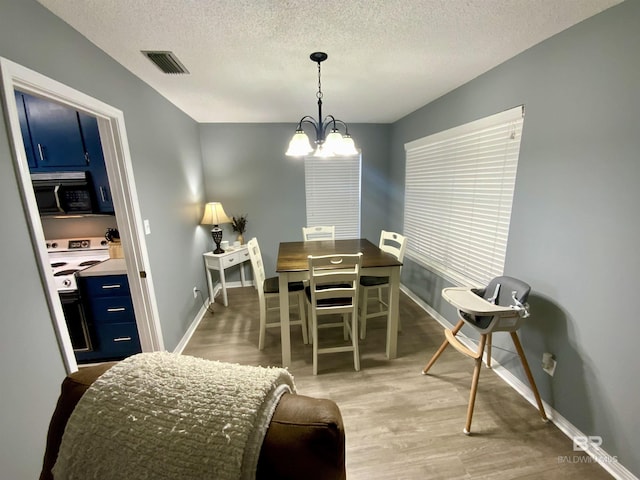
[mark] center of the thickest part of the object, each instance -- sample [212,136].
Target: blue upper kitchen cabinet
[59,138]
[55,135]
[93,149]
[24,129]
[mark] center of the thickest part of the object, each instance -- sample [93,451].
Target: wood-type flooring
[399,423]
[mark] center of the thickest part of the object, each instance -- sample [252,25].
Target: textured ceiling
[249,59]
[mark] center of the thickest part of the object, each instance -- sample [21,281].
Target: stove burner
[68,256]
[65,272]
[88,263]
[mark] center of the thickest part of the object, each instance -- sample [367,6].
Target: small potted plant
[239,224]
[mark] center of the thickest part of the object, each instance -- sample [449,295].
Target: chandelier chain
[330,142]
[319,94]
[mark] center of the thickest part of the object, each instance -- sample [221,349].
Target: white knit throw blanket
[168,416]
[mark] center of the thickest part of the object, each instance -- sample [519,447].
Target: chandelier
[327,145]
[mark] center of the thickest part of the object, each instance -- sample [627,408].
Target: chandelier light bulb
[347,146]
[333,142]
[299,145]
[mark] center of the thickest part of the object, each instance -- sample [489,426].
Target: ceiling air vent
[166,61]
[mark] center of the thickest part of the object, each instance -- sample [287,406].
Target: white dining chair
[334,282]
[268,289]
[319,233]
[394,244]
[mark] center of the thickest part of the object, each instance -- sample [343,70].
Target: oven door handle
[56,195]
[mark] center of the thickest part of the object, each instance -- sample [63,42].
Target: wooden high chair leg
[442,348]
[527,370]
[474,384]
[489,338]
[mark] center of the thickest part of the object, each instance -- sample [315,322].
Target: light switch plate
[147,227]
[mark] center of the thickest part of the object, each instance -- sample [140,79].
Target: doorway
[113,136]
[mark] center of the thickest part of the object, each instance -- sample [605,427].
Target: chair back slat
[257,264]
[319,233]
[334,276]
[393,243]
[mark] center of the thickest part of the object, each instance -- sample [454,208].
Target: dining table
[293,265]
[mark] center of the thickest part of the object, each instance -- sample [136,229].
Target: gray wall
[573,232]
[575,227]
[167,166]
[246,169]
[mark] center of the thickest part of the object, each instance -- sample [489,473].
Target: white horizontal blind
[458,196]
[333,193]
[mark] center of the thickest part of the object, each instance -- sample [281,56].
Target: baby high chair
[500,307]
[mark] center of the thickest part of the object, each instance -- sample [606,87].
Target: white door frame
[117,157]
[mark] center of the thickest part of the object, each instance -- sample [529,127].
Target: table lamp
[214,215]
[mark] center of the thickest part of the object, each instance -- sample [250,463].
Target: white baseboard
[217,288]
[192,328]
[598,455]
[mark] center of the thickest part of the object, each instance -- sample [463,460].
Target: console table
[220,262]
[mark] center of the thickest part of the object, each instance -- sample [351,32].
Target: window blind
[332,188]
[458,195]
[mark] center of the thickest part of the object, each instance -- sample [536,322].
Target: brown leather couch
[305,439]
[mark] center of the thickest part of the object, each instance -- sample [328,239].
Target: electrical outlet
[549,363]
[195,292]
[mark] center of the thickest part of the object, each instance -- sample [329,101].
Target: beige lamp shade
[214,214]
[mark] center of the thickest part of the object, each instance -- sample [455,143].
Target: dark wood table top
[292,256]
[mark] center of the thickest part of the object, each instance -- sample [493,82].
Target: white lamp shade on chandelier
[299,145]
[327,145]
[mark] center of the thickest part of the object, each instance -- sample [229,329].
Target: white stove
[70,255]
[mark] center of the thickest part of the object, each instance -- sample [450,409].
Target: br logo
[583,443]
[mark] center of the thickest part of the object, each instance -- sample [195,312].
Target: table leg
[392,316]
[242,278]
[223,281]
[285,333]
[209,283]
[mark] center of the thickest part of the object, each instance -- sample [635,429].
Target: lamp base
[216,234]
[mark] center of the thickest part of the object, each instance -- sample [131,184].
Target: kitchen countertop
[112,266]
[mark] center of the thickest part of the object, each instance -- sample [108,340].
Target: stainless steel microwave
[63,193]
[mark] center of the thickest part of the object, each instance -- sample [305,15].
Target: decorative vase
[240,239]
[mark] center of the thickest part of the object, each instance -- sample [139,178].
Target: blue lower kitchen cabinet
[110,318]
